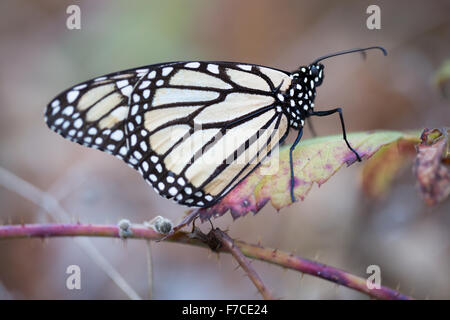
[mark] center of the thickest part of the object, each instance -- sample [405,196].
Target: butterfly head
[305,81]
[315,73]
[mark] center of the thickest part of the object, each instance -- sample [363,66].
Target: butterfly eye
[314,71]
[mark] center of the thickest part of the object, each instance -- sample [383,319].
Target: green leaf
[315,161]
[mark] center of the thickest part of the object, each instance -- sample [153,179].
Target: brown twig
[228,243]
[278,257]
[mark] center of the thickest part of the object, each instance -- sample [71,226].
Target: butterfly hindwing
[194,130]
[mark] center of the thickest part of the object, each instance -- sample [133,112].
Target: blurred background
[336,225]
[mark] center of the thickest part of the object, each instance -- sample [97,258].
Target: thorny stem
[228,243]
[50,204]
[284,259]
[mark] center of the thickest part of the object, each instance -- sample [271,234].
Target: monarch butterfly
[148,117]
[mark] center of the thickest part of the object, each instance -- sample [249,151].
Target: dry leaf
[380,171]
[432,165]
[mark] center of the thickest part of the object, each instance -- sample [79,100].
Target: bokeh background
[336,224]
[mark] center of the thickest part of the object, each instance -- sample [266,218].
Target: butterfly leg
[330,112]
[297,140]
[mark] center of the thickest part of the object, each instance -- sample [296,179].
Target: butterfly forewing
[194,130]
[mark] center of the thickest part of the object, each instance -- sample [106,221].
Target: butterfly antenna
[363,52]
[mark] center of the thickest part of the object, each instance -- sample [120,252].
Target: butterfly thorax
[299,97]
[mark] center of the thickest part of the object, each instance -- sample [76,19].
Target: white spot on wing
[137,155]
[173,191]
[166,71]
[72,95]
[123,150]
[134,109]
[117,135]
[280,97]
[214,68]
[144,84]
[170,179]
[81,86]
[193,65]
[133,139]
[143,146]
[55,110]
[78,123]
[68,110]
[245,67]
[181,181]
